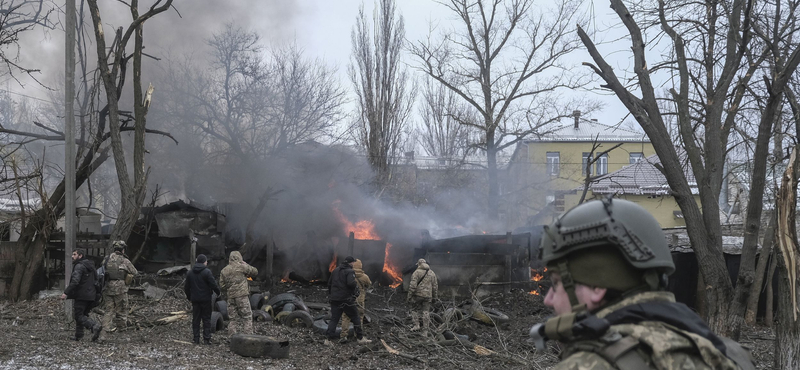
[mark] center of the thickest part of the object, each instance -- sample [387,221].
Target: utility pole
[69,139]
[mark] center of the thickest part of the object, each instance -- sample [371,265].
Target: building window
[553,162]
[602,164]
[585,163]
[636,157]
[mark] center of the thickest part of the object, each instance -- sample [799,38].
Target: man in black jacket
[81,289]
[343,290]
[199,285]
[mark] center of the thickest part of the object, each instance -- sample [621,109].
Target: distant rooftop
[640,178]
[589,130]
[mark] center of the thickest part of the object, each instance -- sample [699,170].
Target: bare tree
[506,61]
[384,98]
[441,134]
[711,76]
[112,66]
[17,17]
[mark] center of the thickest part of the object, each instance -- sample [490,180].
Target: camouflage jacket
[653,344]
[423,283]
[233,278]
[117,268]
[363,282]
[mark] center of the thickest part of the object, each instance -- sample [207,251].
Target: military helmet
[119,245]
[618,223]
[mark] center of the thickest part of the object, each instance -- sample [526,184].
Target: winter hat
[349,259]
[201,258]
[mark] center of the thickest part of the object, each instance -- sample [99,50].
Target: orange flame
[250,279]
[534,292]
[365,230]
[536,276]
[332,266]
[393,271]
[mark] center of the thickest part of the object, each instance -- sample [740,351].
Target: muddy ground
[35,335]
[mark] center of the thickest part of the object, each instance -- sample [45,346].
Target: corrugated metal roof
[640,178]
[590,131]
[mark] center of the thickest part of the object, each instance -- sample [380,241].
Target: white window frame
[553,163]
[635,157]
[585,158]
[602,165]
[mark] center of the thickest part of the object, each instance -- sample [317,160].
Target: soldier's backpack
[100,281]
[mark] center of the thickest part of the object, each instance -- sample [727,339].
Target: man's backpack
[100,282]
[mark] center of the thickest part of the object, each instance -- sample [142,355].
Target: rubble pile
[485,333]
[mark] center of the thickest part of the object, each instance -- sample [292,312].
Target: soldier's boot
[426,323]
[97,329]
[415,321]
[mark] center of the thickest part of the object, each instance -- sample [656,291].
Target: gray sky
[321,27]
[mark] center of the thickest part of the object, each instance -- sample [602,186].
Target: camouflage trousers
[114,307]
[346,320]
[241,315]
[421,309]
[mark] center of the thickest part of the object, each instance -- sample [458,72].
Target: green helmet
[617,223]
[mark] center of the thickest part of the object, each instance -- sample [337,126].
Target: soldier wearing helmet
[609,261]
[119,275]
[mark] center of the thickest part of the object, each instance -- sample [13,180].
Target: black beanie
[201,258]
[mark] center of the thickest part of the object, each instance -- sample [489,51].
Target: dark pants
[349,308]
[80,311]
[201,310]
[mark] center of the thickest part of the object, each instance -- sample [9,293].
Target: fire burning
[365,230]
[393,271]
[536,276]
[332,266]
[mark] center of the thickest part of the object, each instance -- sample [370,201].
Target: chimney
[577,115]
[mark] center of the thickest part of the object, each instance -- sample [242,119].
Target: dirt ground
[35,335]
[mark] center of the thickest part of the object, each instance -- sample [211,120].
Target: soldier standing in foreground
[199,285]
[81,289]
[233,281]
[609,262]
[343,290]
[119,274]
[423,288]
[364,283]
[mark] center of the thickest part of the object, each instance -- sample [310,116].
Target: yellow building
[546,172]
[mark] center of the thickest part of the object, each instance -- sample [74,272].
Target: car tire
[279,300]
[260,315]
[217,322]
[256,301]
[222,308]
[298,319]
[253,345]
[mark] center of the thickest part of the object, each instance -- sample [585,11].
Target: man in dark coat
[81,289]
[343,290]
[199,285]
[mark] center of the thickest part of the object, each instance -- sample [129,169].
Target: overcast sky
[321,27]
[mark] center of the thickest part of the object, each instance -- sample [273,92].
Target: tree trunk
[787,333]
[491,162]
[769,305]
[761,270]
[29,254]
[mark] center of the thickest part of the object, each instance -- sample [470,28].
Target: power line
[27,96]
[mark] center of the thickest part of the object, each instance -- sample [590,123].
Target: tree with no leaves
[112,64]
[384,98]
[710,60]
[506,62]
[17,17]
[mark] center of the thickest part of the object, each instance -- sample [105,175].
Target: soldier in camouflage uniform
[423,288]
[233,281]
[364,283]
[119,272]
[609,262]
